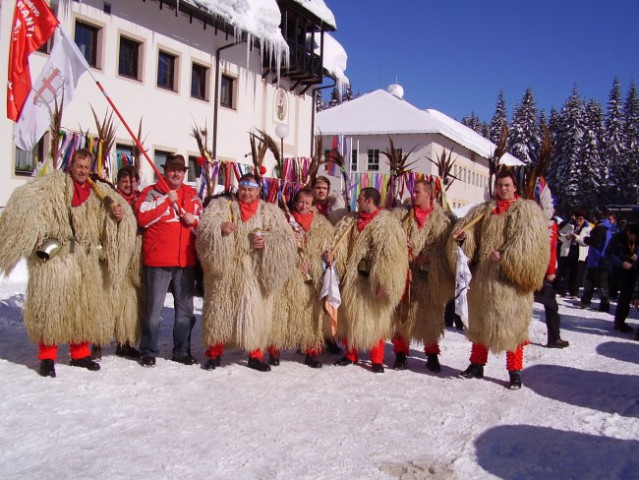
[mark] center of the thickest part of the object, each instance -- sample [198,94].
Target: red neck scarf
[304,220]
[80,193]
[130,199]
[503,205]
[363,219]
[322,208]
[247,210]
[421,215]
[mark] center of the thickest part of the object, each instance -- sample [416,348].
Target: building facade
[174,65]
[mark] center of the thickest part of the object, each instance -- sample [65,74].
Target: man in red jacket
[169,218]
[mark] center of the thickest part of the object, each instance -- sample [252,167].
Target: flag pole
[161,180]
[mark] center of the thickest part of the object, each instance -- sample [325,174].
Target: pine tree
[500,118]
[336,98]
[524,137]
[320,104]
[569,173]
[590,162]
[473,122]
[631,134]
[554,125]
[614,147]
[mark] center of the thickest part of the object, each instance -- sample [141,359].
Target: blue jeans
[158,280]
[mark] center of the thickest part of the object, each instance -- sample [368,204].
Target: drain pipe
[216,102]
[315,92]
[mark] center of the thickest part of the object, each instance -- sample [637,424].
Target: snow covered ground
[577,416]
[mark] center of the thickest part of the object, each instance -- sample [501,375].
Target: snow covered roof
[259,19]
[335,59]
[320,10]
[382,113]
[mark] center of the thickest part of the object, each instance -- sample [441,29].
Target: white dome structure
[396,90]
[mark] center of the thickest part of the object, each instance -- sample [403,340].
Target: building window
[159,158]
[26,161]
[129,58]
[227,93]
[199,75]
[373,160]
[354,154]
[86,38]
[166,70]
[194,169]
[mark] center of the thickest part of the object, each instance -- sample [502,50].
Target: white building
[174,64]
[366,123]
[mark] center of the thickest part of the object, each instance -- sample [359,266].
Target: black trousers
[547,297]
[626,282]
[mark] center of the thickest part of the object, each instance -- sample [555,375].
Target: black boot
[96,352]
[331,346]
[258,365]
[377,368]
[604,306]
[85,362]
[344,362]
[474,370]
[274,360]
[515,380]
[623,327]
[312,361]
[432,363]
[47,368]
[147,361]
[212,363]
[127,351]
[400,361]
[185,360]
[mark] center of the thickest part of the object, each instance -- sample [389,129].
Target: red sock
[79,350]
[515,360]
[377,352]
[479,354]
[215,350]
[312,352]
[47,352]
[432,348]
[400,344]
[257,354]
[274,352]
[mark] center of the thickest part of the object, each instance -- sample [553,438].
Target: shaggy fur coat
[336,209]
[74,296]
[433,282]
[299,320]
[500,294]
[240,283]
[128,323]
[365,318]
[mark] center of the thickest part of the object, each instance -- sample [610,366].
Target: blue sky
[455,55]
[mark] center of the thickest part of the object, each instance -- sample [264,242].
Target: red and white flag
[57,81]
[33,25]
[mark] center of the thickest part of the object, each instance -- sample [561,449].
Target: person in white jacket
[572,254]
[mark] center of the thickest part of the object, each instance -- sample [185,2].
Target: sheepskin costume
[335,209]
[241,283]
[500,294]
[128,323]
[74,296]
[299,320]
[365,318]
[421,315]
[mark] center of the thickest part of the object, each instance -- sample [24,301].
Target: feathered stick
[54,129]
[444,166]
[106,137]
[493,161]
[545,156]
[398,163]
[201,136]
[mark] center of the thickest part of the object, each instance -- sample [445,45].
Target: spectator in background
[572,254]
[622,257]
[596,265]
